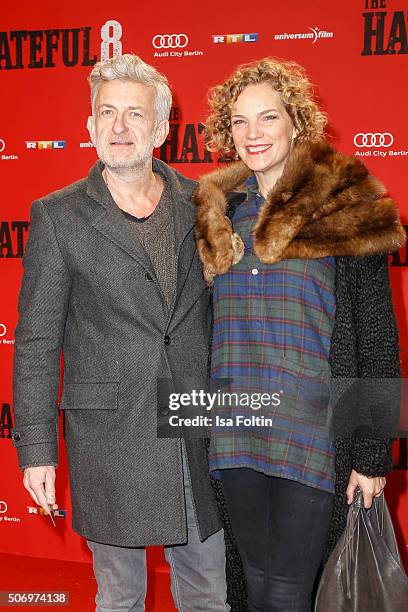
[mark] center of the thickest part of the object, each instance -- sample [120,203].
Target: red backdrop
[355,51]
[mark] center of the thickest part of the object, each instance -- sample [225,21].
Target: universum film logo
[314,35]
[87,144]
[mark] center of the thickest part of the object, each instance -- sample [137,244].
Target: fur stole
[323,204]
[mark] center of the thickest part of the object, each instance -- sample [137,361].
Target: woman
[294,238]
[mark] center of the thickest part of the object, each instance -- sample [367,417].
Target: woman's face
[262,130]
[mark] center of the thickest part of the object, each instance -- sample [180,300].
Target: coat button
[148,276]
[166,339]
[254,271]
[16,437]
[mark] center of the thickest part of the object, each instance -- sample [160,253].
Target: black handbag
[364,572]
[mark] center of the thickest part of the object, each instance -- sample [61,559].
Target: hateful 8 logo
[384,33]
[41,48]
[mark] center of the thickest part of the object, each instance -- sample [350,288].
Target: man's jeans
[197,571]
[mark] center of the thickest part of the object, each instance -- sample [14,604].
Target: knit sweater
[156,234]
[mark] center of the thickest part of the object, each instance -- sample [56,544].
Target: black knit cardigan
[364,345]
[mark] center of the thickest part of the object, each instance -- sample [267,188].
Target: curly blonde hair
[287,78]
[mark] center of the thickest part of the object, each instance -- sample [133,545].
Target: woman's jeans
[281,529]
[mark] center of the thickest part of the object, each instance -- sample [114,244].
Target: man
[113,279]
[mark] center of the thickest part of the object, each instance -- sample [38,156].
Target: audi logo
[2,145]
[3,330]
[376,139]
[170,41]
[3,507]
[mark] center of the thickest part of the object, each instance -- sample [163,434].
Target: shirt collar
[252,186]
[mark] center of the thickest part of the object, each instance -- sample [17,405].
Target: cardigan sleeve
[379,367]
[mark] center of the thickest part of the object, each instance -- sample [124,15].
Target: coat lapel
[184,215]
[112,223]
[184,240]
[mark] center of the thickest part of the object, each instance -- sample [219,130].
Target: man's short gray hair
[130,67]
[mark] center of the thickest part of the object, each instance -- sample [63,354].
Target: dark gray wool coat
[90,290]
[324,204]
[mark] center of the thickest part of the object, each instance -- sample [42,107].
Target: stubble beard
[135,162]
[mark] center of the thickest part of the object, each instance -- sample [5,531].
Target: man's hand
[370,487]
[40,483]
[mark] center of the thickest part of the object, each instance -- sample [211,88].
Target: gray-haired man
[112,278]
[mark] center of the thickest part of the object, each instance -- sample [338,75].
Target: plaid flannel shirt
[272,331]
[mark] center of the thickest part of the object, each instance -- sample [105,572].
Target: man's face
[123,127]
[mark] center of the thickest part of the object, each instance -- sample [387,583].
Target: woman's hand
[370,487]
